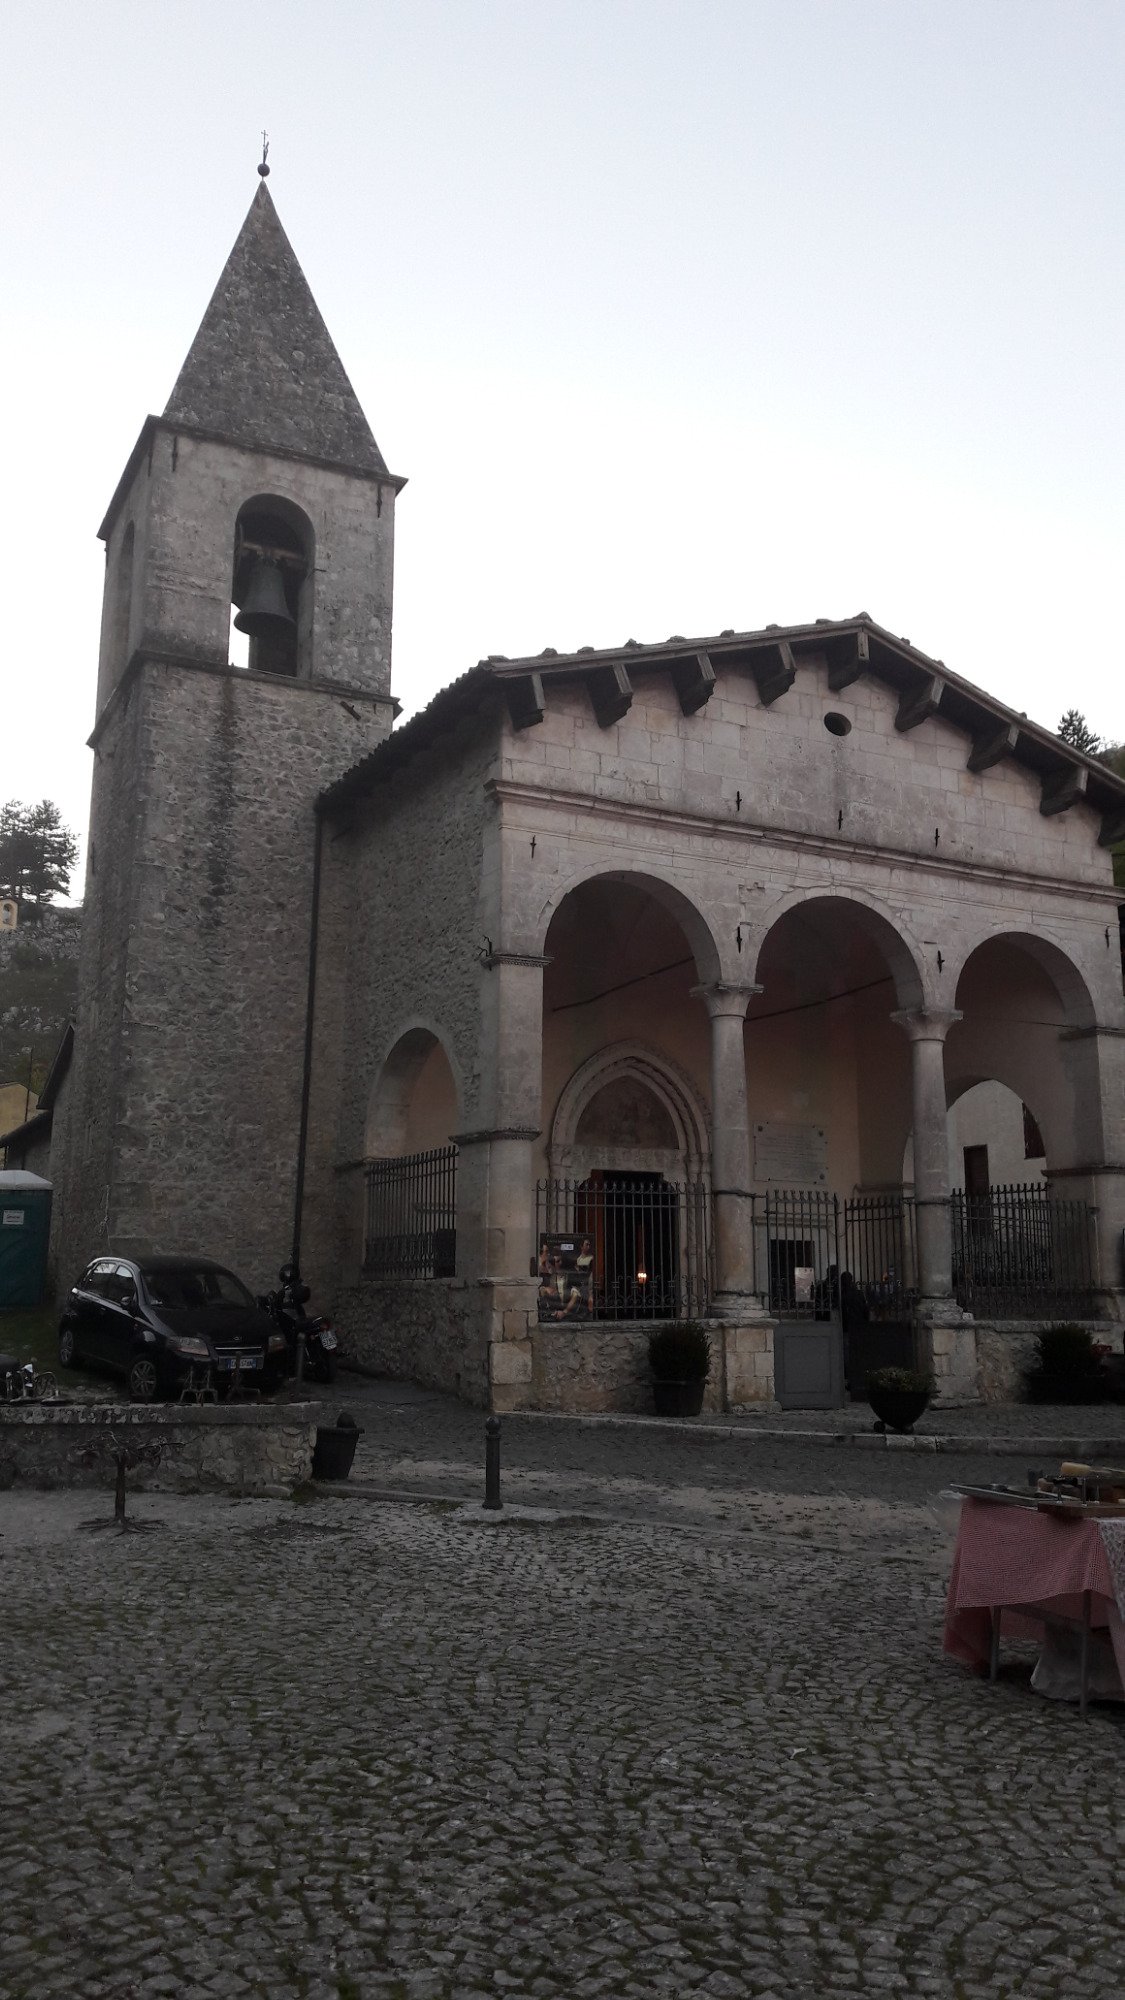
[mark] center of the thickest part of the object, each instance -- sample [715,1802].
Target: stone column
[732,1207]
[927,1029]
[495,1182]
[1092,1168]
[498,1218]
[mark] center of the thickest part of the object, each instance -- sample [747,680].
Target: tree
[37,853]
[1075,730]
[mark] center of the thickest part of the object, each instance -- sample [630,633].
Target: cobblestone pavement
[704,1743]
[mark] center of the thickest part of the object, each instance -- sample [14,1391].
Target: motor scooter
[286,1308]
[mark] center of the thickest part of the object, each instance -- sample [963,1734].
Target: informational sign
[794,1156]
[804,1278]
[9,914]
[13,1218]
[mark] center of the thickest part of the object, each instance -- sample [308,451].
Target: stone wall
[483,1342]
[605,1367]
[434,1331]
[236,1449]
[184,1108]
[405,913]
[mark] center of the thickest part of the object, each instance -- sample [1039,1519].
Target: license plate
[327,1341]
[230,1362]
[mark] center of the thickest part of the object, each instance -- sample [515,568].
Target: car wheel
[68,1350]
[142,1379]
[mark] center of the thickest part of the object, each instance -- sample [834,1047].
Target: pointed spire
[262,370]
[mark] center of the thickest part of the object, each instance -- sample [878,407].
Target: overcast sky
[676,316]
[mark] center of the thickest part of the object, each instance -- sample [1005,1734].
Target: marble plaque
[794,1156]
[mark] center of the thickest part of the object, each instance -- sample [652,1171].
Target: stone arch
[1022,998]
[672,1091]
[417,1090]
[886,929]
[1052,960]
[271,529]
[694,924]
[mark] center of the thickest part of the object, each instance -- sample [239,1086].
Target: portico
[743,925]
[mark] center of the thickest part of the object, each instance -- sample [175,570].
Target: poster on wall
[566,1277]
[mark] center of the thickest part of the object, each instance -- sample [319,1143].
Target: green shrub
[1066,1368]
[679,1352]
[905,1381]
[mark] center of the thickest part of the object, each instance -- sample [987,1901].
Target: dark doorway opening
[633,1221]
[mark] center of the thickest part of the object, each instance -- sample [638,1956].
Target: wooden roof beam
[525,699]
[610,691]
[919,701]
[694,681]
[848,657]
[774,669]
[993,743]
[1063,789]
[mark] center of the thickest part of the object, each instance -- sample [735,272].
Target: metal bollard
[492,1463]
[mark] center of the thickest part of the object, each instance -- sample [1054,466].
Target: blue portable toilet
[25,1225]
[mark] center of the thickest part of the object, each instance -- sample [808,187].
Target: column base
[745,1308]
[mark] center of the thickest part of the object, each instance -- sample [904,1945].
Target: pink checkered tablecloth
[1035,1565]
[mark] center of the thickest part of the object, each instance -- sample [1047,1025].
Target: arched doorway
[830,1095]
[623,1198]
[1018,1064]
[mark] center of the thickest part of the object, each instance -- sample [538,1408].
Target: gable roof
[262,370]
[852,647]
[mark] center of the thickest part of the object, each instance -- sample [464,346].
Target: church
[769,979]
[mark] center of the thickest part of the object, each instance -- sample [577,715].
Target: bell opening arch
[272,587]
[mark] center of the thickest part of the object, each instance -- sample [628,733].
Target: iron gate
[839,1277]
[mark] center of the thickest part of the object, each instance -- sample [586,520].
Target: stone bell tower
[261,489]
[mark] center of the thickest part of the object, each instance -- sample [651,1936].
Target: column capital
[926,1024]
[724,996]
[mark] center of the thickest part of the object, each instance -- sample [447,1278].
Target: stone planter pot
[898,1409]
[678,1399]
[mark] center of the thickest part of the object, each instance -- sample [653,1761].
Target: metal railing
[622,1247]
[1018,1253]
[411,1228]
[816,1257]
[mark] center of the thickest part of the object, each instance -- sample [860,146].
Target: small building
[621,985]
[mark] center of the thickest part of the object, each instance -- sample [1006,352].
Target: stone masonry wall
[199,962]
[433,1331]
[405,919]
[745,807]
[85,1121]
[231,1450]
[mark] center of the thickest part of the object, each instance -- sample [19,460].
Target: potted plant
[679,1359]
[1066,1368]
[898,1396]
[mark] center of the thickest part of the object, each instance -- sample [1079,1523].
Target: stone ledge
[244,1448]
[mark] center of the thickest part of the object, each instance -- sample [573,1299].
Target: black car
[165,1322]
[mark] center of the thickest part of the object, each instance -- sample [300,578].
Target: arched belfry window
[272,587]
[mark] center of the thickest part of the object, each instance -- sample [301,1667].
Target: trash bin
[335,1448]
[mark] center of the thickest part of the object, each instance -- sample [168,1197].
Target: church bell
[264,614]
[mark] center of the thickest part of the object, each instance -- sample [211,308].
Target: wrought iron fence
[1018,1253]
[411,1227]
[816,1256]
[622,1247]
